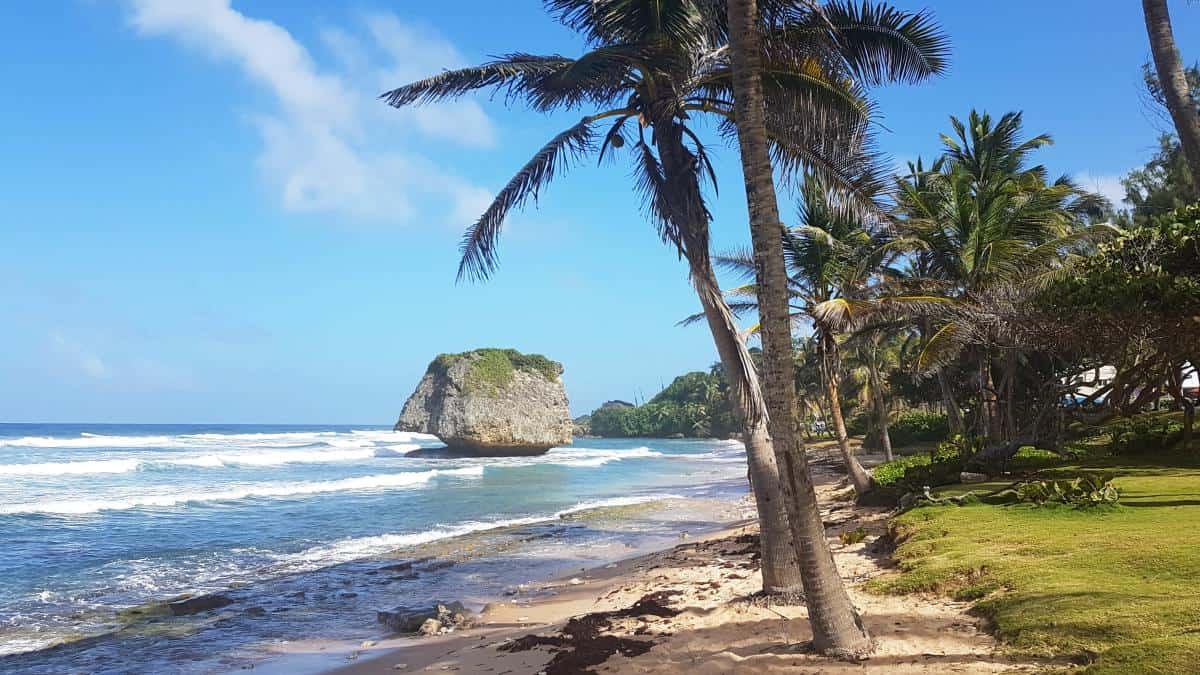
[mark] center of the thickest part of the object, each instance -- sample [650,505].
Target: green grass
[1116,588]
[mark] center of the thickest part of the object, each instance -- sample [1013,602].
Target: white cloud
[329,146]
[1109,186]
[78,357]
[114,366]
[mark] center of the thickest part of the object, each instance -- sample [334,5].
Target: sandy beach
[690,608]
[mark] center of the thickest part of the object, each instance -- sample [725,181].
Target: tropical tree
[1135,305]
[652,68]
[874,355]
[990,228]
[835,267]
[830,259]
[835,623]
[1164,183]
[1173,82]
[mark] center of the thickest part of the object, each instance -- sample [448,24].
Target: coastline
[540,605]
[689,607]
[255,563]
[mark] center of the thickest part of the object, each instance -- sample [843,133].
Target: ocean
[306,532]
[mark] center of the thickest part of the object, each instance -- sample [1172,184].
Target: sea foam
[267,490]
[356,548]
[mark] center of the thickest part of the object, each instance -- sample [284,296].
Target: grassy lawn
[1116,588]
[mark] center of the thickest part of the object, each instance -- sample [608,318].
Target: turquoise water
[297,526]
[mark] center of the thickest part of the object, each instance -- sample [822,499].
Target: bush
[1029,458]
[918,426]
[1086,490]
[940,466]
[859,423]
[1143,433]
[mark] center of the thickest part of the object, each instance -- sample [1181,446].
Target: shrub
[493,369]
[1143,433]
[1086,490]
[1029,458]
[940,466]
[916,426]
[859,423]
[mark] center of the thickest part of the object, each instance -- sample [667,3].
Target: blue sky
[206,217]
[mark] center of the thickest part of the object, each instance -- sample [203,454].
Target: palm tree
[651,67]
[830,260]
[1173,82]
[986,219]
[871,349]
[835,623]
[835,270]
[655,66]
[836,626]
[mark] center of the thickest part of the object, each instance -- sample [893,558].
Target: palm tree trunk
[1010,384]
[881,411]
[953,416]
[989,420]
[859,478]
[780,571]
[836,626]
[1173,81]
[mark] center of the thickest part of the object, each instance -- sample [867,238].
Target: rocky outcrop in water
[491,402]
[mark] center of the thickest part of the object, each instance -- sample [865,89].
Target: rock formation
[491,402]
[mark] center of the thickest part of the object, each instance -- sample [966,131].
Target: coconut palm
[652,69]
[873,354]
[835,623]
[985,218]
[1172,80]
[833,265]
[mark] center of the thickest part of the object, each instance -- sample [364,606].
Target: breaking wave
[356,548]
[268,490]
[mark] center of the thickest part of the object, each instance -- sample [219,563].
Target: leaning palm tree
[836,627]
[652,69]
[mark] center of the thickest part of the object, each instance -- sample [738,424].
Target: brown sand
[690,609]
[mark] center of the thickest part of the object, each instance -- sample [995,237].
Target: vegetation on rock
[492,369]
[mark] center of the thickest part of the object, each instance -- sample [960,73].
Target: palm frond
[883,44]
[652,185]
[682,22]
[941,348]
[517,73]
[739,261]
[478,247]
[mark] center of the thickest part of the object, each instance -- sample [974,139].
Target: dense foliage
[918,426]
[1143,434]
[940,466]
[1134,304]
[694,405]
